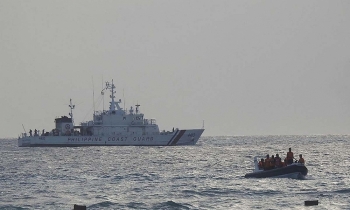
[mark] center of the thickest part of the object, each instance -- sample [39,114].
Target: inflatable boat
[294,170]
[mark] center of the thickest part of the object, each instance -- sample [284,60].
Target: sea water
[209,175]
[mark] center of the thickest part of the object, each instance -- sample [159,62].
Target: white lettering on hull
[111,138]
[75,139]
[117,138]
[143,138]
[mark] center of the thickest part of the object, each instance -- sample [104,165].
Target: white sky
[244,67]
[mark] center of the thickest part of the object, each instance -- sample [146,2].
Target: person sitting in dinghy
[301,159]
[272,162]
[285,163]
[278,162]
[261,164]
[267,162]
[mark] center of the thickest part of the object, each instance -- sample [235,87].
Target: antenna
[93,93]
[203,125]
[103,98]
[123,99]
[24,128]
[137,108]
[113,104]
[71,106]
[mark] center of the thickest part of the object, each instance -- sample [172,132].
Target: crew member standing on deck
[290,156]
[278,161]
[261,163]
[272,162]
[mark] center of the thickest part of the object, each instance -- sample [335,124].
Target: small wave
[325,195]
[171,205]
[10,207]
[342,191]
[265,192]
[135,205]
[309,177]
[104,204]
[212,192]
[117,178]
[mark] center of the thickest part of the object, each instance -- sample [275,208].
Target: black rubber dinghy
[279,172]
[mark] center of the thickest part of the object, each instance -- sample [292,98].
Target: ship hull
[176,138]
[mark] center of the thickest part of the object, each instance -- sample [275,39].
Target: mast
[123,99]
[137,108]
[110,87]
[71,106]
[114,105]
[93,94]
[103,98]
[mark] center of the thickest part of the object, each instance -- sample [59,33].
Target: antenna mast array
[71,106]
[113,104]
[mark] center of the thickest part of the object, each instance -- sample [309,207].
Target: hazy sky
[244,67]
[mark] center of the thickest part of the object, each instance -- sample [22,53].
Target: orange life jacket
[289,155]
[278,162]
[267,163]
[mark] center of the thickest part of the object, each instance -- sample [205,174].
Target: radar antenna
[137,108]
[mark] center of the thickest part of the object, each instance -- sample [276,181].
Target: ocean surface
[209,175]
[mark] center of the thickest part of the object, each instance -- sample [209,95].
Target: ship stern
[24,142]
